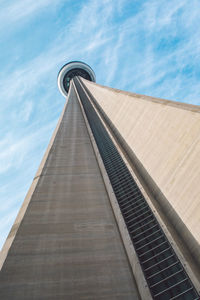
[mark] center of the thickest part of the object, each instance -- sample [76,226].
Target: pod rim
[70,66]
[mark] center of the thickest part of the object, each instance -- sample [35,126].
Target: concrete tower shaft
[113,210]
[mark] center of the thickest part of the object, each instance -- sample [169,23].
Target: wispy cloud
[23,9]
[159,45]
[15,150]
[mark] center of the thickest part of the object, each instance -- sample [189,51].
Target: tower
[107,215]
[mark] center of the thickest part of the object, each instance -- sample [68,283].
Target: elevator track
[162,269]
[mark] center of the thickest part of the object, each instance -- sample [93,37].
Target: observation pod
[69,71]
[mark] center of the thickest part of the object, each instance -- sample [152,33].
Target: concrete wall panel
[165,138]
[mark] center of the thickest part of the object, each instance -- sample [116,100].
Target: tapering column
[65,243]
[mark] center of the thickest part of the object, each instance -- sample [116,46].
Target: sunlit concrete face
[68,245]
[162,138]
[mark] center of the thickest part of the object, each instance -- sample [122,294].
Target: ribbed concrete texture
[68,245]
[163,140]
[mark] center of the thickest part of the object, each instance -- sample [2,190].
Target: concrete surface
[68,245]
[163,138]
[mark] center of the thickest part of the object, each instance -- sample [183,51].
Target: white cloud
[27,110]
[14,149]
[20,9]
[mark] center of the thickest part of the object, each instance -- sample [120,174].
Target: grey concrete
[68,245]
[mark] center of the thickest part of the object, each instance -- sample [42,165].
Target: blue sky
[149,47]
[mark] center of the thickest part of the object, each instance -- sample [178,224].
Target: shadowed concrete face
[68,245]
